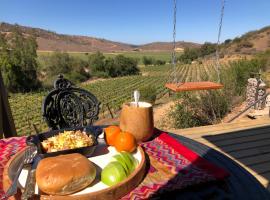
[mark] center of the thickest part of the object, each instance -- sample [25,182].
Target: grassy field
[166,56]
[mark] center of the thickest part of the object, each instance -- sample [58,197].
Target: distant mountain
[52,41]
[249,43]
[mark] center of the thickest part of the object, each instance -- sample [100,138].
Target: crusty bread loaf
[64,174]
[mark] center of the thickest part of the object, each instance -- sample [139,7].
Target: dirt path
[161,115]
[93,81]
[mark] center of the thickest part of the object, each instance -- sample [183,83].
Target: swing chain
[173,74]
[175,79]
[218,39]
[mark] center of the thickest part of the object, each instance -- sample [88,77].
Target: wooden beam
[1,121]
[190,86]
[7,122]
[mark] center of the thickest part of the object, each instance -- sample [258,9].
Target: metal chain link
[174,45]
[218,39]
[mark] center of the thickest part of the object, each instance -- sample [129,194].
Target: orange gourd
[111,133]
[125,141]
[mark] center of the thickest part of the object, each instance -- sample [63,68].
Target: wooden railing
[247,108]
[7,127]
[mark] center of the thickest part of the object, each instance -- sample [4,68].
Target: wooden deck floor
[248,143]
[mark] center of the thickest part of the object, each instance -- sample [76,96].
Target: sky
[139,21]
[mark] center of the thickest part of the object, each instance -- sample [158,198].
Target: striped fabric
[9,147]
[173,166]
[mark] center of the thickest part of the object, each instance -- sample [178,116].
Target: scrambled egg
[67,140]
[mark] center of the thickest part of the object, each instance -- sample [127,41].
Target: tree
[189,55]
[18,62]
[160,62]
[112,67]
[125,66]
[71,67]
[97,62]
[207,48]
[227,41]
[147,60]
[58,63]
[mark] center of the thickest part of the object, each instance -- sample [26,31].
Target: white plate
[100,160]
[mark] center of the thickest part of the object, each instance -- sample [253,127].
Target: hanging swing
[175,84]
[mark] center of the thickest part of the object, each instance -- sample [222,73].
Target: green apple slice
[130,160]
[113,173]
[123,162]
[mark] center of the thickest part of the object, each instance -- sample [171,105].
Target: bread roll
[64,174]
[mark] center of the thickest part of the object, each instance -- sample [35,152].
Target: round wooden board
[114,192]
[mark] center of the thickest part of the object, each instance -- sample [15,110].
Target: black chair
[68,106]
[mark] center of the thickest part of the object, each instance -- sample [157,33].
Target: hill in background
[52,41]
[249,43]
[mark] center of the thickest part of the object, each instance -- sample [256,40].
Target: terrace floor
[247,143]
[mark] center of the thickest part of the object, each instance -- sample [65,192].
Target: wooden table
[240,185]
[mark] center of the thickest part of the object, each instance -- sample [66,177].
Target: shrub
[112,67]
[207,48]
[249,34]
[58,63]
[236,40]
[147,61]
[151,61]
[214,105]
[227,41]
[148,94]
[264,59]
[160,62]
[189,55]
[62,63]
[209,107]
[236,74]
[125,66]
[97,62]
[184,117]
[199,109]
[75,77]
[245,44]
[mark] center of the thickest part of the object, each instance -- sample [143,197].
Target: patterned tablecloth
[172,166]
[9,147]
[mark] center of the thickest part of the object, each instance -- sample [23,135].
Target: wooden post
[257,93]
[7,127]
[1,121]
[110,110]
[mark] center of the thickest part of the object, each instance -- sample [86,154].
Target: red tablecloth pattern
[173,166]
[9,147]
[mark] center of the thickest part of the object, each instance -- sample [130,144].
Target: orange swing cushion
[189,86]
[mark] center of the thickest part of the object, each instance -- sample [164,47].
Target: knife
[29,190]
